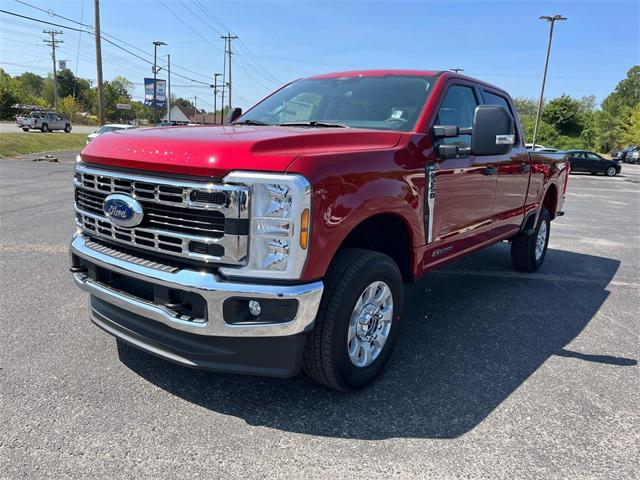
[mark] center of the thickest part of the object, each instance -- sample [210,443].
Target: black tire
[523,247]
[44,128]
[67,128]
[326,357]
[25,129]
[611,172]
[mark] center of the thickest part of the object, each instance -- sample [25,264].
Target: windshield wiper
[312,123]
[251,122]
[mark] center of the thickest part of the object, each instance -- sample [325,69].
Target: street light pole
[155,72]
[552,20]
[215,97]
[169,89]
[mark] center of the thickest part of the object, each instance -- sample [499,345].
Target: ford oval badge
[122,210]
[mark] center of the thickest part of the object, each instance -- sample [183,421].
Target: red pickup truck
[282,239]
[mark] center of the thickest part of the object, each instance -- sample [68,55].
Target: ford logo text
[122,210]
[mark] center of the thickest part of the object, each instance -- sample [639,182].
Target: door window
[458,107]
[493,99]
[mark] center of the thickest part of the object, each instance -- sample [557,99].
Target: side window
[458,107]
[493,99]
[592,156]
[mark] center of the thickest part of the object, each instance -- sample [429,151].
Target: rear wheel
[25,129]
[611,172]
[44,128]
[528,251]
[358,320]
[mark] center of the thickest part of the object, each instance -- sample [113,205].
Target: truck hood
[216,150]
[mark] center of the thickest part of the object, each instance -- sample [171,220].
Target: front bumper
[213,341]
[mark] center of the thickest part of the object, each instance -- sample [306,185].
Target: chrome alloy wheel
[370,324]
[541,240]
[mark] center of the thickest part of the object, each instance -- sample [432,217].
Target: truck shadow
[472,333]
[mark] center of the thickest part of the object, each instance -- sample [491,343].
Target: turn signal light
[304,229]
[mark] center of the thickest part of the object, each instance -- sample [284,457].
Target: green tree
[31,85]
[116,91]
[563,114]
[526,106]
[8,95]
[632,131]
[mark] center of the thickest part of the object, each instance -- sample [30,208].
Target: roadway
[497,374]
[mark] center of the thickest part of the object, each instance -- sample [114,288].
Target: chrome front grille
[197,220]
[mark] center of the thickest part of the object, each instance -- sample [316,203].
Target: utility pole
[96,29]
[227,38]
[53,43]
[552,20]
[215,97]
[155,69]
[169,89]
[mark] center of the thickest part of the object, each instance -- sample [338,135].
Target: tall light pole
[215,97]
[552,20]
[169,89]
[96,31]
[155,72]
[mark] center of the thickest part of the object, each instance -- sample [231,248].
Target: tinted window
[458,107]
[592,156]
[493,99]
[390,102]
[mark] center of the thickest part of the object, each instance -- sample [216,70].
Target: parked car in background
[540,148]
[621,155]
[585,161]
[110,127]
[43,121]
[633,156]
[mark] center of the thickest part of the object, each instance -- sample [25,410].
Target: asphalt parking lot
[497,374]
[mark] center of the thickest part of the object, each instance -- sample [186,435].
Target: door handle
[488,171]
[525,168]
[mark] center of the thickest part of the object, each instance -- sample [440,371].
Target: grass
[14,144]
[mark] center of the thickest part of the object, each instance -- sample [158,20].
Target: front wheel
[358,320]
[528,251]
[611,172]
[25,129]
[67,128]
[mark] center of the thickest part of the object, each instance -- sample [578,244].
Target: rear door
[513,174]
[595,162]
[461,198]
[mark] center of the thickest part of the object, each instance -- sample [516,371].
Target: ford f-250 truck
[283,239]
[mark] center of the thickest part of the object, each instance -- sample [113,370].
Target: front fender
[351,188]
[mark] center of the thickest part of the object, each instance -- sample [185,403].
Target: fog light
[254,307]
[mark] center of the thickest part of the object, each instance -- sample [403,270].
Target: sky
[502,42]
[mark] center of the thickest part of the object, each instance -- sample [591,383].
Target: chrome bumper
[211,287]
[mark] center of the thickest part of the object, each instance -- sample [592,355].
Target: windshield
[391,102]
[105,129]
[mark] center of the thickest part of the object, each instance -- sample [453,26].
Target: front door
[513,177]
[463,192]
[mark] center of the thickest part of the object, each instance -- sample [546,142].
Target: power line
[102,36]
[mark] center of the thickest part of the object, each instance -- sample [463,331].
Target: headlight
[280,225]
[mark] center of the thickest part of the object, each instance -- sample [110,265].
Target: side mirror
[493,131]
[233,115]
